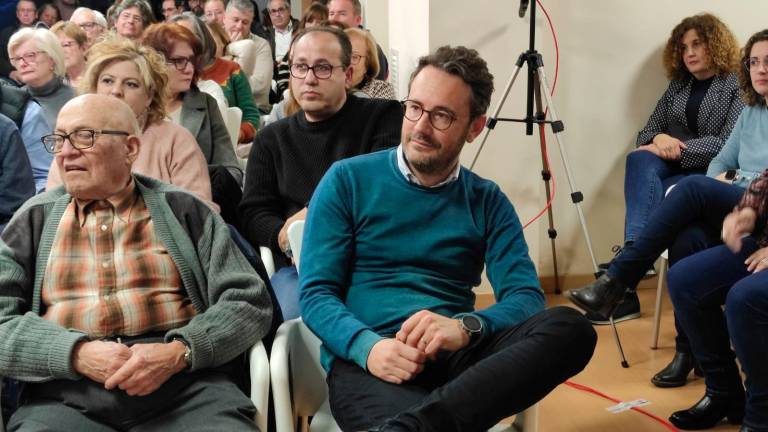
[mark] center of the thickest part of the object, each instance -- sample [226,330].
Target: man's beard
[431,164]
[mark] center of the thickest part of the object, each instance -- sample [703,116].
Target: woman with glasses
[131,17]
[74,44]
[137,75]
[37,56]
[365,66]
[691,218]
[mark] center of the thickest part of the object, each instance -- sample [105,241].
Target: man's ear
[358,20]
[348,76]
[132,146]
[476,127]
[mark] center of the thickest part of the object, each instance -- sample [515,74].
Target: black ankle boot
[708,412]
[601,297]
[676,372]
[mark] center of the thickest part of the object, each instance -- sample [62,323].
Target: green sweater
[378,249]
[232,306]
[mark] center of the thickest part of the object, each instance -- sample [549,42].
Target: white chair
[663,267]
[299,390]
[233,119]
[259,371]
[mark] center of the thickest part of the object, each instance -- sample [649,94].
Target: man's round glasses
[356,58]
[278,11]
[28,58]
[180,63]
[754,63]
[321,70]
[88,25]
[439,118]
[80,139]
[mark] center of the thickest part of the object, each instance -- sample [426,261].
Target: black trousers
[473,388]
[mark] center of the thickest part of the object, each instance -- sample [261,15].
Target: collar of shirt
[288,28]
[402,164]
[122,203]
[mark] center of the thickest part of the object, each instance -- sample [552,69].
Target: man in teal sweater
[394,243]
[123,300]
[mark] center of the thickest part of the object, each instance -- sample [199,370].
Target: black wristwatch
[472,325]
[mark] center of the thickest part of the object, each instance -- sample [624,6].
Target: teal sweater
[746,149]
[233,308]
[377,249]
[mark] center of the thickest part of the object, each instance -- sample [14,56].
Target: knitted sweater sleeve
[244,100]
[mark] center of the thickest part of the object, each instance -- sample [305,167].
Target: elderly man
[123,301]
[393,245]
[171,8]
[25,17]
[350,13]
[16,182]
[283,24]
[238,18]
[289,157]
[92,22]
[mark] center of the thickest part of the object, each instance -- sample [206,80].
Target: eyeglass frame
[89,25]
[174,61]
[279,11]
[15,61]
[763,63]
[451,115]
[78,146]
[359,57]
[312,68]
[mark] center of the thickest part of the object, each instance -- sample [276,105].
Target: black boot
[676,372]
[602,296]
[708,412]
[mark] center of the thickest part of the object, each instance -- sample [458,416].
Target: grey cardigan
[201,116]
[233,308]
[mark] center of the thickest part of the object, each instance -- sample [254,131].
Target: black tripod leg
[546,177]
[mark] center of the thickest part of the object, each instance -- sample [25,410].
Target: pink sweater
[168,152]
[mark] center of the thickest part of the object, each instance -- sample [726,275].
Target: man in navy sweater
[394,243]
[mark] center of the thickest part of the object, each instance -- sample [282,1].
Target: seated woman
[74,44]
[37,56]
[131,17]
[231,79]
[690,218]
[135,74]
[365,67]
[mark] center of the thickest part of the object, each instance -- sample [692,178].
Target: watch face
[472,323]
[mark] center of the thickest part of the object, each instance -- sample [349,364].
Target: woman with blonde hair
[74,44]
[135,74]
[365,66]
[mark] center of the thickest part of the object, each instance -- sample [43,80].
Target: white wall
[610,78]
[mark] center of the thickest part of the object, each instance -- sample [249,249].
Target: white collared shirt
[402,165]
[283,41]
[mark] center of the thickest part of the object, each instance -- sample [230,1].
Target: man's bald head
[100,168]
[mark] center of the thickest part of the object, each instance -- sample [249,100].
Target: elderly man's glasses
[321,70]
[180,63]
[80,139]
[88,25]
[28,58]
[439,118]
[278,11]
[753,63]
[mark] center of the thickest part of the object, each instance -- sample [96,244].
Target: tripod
[536,80]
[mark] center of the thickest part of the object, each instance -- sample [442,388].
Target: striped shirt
[109,274]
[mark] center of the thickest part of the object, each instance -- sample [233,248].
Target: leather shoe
[676,372]
[601,296]
[708,412]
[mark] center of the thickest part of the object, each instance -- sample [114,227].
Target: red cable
[584,388]
[542,133]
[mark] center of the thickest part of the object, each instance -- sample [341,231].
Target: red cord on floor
[584,388]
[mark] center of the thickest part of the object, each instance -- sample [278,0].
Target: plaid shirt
[109,274]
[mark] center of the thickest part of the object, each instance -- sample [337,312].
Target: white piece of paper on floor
[624,406]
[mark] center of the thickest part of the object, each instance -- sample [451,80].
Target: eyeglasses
[321,70]
[754,63]
[25,10]
[131,17]
[28,58]
[439,118]
[68,44]
[278,11]
[88,25]
[356,58]
[80,139]
[180,63]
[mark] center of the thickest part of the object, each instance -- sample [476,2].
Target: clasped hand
[138,370]
[420,338]
[665,147]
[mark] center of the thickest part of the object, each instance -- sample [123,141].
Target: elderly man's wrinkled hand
[149,367]
[99,360]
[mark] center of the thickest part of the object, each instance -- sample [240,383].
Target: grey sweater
[233,309]
[51,97]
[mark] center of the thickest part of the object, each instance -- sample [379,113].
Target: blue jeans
[285,282]
[698,286]
[646,179]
